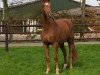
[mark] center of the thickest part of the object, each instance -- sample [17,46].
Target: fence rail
[27,29]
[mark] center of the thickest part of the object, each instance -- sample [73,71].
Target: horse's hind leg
[46,46]
[72,52]
[64,54]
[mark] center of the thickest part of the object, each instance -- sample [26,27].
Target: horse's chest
[47,37]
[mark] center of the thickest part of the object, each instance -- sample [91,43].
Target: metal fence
[22,30]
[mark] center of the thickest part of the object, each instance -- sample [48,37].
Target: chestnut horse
[55,33]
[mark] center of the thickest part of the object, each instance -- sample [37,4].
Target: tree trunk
[83,11]
[83,15]
[6,10]
[8,17]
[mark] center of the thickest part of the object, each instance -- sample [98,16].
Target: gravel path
[40,44]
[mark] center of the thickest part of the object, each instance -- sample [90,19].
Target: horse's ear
[46,0]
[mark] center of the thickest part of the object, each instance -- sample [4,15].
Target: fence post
[6,37]
[83,11]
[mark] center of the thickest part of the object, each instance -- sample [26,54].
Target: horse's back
[65,28]
[65,24]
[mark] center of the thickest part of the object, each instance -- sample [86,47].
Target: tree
[6,9]
[7,16]
[83,11]
[83,16]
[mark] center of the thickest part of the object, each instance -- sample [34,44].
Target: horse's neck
[46,22]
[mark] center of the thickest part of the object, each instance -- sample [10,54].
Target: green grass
[31,61]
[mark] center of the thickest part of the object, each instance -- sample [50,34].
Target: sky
[89,2]
[10,1]
[1,4]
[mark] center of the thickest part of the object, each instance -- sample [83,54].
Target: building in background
[90,2]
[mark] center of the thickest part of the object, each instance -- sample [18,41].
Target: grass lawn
[31,61]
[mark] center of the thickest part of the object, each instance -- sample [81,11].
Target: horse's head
[46,7]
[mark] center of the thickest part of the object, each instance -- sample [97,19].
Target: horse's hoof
[64,67]
[47,71]
[57,72]
[71,68]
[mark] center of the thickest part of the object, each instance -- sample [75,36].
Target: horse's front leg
[46,46]
[55,45]
[64,54]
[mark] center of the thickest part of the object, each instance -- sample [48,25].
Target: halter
[51,15]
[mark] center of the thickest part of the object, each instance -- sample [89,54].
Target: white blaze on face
[46,3]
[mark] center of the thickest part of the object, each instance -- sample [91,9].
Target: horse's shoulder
[63,20]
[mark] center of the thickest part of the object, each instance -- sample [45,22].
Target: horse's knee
[56,59]
[47,59]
